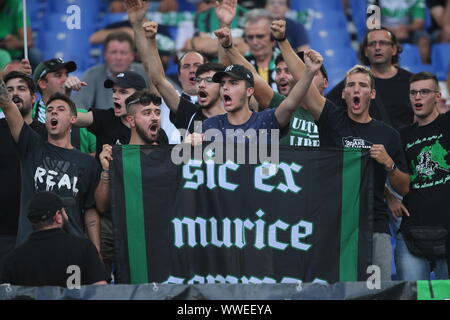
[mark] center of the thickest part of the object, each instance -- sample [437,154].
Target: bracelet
[228,47]
[281,40]
[105,170]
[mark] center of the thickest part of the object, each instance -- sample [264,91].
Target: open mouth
[357,102]
[378,55]
[17,100]
[54,122]
[153,128]
[227,99]
[117,106]
[192,80]
[202,94]
[418,105]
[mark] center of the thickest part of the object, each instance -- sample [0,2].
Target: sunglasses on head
[144,101]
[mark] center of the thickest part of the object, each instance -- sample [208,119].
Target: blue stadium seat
[89,9]
[67,45]
[410,55]
[440,58]
[317,5]
[415,68]
[359,8]
[343,58]
[58,22]
[321,39]
[111,18]
[185,5]
[329,20]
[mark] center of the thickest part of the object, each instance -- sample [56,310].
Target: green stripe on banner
[137,251]
[433,290]
[351,172]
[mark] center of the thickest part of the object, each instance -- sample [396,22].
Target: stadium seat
[359,8]
[111,18]
[343,58]
[67,45]
[89,9]
[185,5]
[58,22]
[329,20]
[321,39]
[440,58]
[410,55]
[317,5]
[415,68]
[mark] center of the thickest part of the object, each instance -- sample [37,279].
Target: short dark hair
[63,97]
[118,36]
[424,76]
[205,60]
[146,94]
[209,66]
[362,56]
[21,75]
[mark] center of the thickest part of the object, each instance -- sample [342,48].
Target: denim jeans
[412,268]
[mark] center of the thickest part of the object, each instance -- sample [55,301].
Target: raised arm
[263,92]
[136,16]
[84,120]
[149,54]
[284,112]
[12,113]
[102,192]
[313,99]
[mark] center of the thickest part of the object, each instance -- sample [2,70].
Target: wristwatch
[392,168]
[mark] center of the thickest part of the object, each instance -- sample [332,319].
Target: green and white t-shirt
[303,131]
[401,12]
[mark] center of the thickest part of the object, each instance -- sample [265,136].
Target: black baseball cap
[52,65]
[44,205]
[127,79]
[236,71]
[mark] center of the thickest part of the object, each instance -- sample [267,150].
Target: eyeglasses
[257,36]
[382,43]
[423,92]
[50,64]
[145,101]
[199,80]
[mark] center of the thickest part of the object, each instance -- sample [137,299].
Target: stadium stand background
[333,31]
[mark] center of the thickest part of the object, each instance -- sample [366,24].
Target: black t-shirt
[427,150]
[45,257]
[186,115]
[336,129]
[394,94]
[435,3]
[10,177]
[67,172]
[108,129]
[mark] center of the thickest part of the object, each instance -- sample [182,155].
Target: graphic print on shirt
[430,167]
[356,143]
[57,176]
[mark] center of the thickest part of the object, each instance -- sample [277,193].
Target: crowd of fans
[241,68]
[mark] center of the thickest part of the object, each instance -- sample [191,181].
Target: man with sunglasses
[52,76]
[381,51]
[427,149]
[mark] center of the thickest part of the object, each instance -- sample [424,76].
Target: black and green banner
[305,219]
